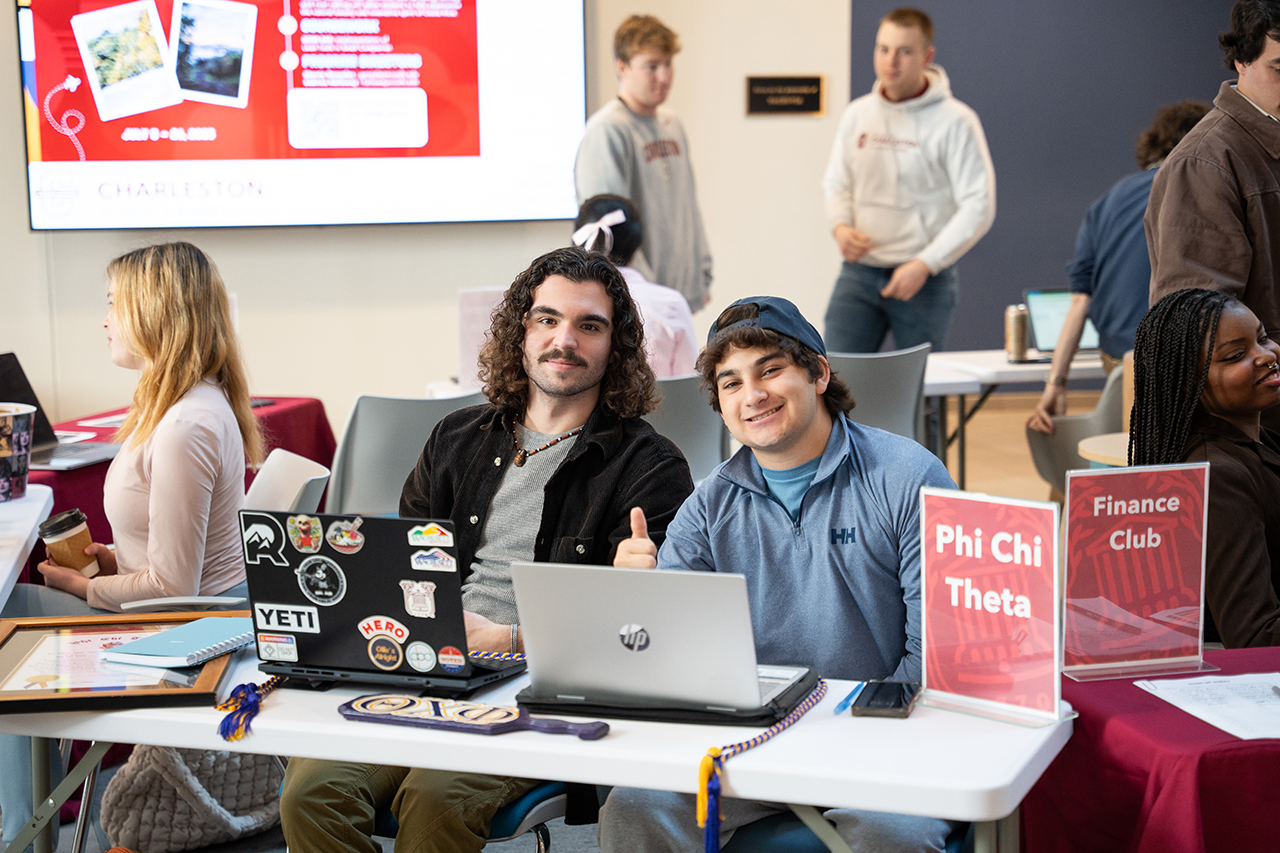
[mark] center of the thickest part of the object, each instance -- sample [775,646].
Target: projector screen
[196,113]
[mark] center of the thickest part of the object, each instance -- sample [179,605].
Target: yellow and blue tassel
[244,703]
[712,766]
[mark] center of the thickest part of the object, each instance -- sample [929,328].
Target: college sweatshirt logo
[661,148]
[886,143]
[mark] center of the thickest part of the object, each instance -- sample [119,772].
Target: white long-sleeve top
[173,501]
[670,343]
[915,176]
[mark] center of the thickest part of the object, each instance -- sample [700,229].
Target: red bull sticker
[385,652]
[452,660]
[306,533]
[430,534]
[375,625]
[345,536]
[420,656]
[434,560]
[277,647]
[419,598]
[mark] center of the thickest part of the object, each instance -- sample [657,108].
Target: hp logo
[634,637]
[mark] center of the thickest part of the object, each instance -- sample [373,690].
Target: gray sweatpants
[634,819]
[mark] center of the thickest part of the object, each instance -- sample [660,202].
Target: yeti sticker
[419,598]
[263,539]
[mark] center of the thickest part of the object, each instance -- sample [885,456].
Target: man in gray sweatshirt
[822,515]
[635,148]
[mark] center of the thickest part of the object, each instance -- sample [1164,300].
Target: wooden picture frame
[31,647]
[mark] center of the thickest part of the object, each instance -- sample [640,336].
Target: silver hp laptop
[1046,315]
[600,635]
[49,450]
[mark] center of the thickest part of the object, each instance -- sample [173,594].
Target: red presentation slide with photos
[155,80]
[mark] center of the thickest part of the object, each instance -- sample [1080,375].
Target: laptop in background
[1046,315]
[345,598]
[49,451]
[602,636]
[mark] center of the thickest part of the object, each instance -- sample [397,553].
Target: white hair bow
[588,234]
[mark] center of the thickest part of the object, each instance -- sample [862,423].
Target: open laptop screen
[16,388]
[1047,312]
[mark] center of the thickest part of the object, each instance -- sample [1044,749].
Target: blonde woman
[173,492]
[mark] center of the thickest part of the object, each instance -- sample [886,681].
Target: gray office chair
[380,444]
[888,388]
[287,482]
[685,416]
[1055,455]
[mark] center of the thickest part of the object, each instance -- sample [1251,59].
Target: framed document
[56,664]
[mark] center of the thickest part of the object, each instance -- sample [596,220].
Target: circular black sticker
[321,580]
[385,652]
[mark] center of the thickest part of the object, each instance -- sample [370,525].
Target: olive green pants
[329,806]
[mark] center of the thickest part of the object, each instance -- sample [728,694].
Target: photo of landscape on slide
[127,52]
[213,54]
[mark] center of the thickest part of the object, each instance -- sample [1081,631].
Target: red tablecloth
[1141,775]
[298,424]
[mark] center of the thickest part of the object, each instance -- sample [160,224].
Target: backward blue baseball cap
[777,315]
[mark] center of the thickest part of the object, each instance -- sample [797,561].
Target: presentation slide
[193,113]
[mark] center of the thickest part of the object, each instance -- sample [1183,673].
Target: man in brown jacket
[1213,220]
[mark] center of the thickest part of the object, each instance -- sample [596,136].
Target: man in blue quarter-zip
[823,517]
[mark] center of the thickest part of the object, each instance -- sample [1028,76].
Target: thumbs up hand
[638,552]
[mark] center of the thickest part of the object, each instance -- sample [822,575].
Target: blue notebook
[187,645]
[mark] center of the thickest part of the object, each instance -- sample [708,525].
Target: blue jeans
[858,317]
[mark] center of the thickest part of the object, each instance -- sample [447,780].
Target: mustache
[561,355]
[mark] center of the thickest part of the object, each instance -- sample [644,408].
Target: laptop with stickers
[347,598]
[647,643]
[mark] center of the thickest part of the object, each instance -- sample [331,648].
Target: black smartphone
[886,699]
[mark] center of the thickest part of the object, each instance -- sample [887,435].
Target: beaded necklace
[522,454]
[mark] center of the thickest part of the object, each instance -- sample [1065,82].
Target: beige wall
[337,311]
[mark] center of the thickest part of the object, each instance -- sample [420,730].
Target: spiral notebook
[186,645]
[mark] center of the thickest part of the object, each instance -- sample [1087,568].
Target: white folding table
[936,763]
[991,369]
[19,523]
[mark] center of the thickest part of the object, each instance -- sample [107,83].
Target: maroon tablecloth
[298,424]
[1141,775]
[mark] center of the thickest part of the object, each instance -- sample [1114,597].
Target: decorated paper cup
[65,536]
[16,423]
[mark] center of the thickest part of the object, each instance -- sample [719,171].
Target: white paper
[104,421]
[1247,706]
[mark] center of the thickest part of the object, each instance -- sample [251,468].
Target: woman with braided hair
[1204,370]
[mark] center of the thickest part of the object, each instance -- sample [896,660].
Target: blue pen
[848,700]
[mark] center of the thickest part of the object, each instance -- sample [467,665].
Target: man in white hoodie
[909,189]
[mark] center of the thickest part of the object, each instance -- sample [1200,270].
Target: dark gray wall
[1063,88]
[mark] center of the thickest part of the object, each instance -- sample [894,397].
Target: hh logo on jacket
[844,535]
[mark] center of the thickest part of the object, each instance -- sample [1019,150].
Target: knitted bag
[166,799]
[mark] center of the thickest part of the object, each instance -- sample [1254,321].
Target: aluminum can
[1015,333]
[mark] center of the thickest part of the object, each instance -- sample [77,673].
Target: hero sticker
[430,534]
[277,647]
[434,560]
[420,656]
[321,581]
[385,652]
[305,533]
[452,660]
[345,536]
[375,625]
[419,598]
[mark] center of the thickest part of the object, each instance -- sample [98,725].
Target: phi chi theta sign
[988,585]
